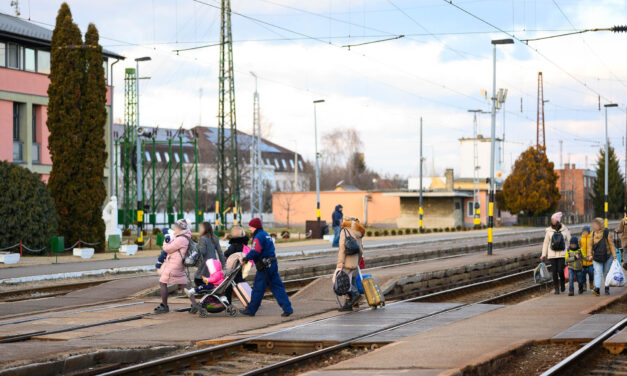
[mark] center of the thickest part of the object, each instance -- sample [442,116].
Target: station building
[575,185]
[24,69]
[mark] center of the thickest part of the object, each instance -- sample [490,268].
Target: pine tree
[531,188]
[616,187]
[64,121]
[93,119]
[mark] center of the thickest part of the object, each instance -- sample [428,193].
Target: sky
[436,71]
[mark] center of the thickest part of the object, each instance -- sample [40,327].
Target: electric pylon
[228,169]
[128,148]
[540,134]
[256,178]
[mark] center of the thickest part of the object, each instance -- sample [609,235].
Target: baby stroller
[215,301]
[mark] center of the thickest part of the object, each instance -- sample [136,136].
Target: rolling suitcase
[243,292]
[374,297]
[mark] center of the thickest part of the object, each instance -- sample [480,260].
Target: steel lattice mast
[228,179]
[128,148]
[540,133]
[256,178]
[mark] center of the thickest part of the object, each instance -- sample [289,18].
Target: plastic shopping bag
[541,273]
[615,277]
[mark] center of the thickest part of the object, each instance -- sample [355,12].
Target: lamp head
[145,58]
[502,41]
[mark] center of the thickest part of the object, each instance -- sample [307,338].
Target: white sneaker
[189,292]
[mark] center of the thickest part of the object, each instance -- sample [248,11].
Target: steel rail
[574,357]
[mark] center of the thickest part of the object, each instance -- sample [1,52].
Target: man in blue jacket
[262,254]
[337,225]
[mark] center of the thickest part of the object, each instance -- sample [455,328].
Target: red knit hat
[255,223]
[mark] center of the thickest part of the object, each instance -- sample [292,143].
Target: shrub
[458,228]
[156,231]
[386,233]
[428,231]
[27,210]
[392,232]
[422,230]
[285,234]
[126,232]
[377,233]
[414,230]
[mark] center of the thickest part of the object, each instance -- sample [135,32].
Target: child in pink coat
[216,276]
[172,271]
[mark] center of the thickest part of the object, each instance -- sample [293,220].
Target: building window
[43,61]
[34,124]
[300,164]
[292,163]
[185,158]
[16,121]
[105,65]
[176,157]
[167,157]
[147,156]
[470,208]
[276,163]
[158,156]
[29,59]
[284,164]
[3,54]
[13,60]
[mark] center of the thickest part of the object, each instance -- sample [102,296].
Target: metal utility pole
[228,178]
[256,193]
[476,206]
[495,102]
[607,151]
[139,161]
[540,132]
[317,162]
[420,197]
[561,155]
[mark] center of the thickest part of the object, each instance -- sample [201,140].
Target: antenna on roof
[15,4]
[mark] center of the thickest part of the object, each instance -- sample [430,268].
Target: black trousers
[557,268]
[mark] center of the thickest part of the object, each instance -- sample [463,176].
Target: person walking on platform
[172,271]
[209,248]
[337,218]
[588,269]
[574,260]
[556,240]
[262,254]
[623,238]
[600,247]
[351,228]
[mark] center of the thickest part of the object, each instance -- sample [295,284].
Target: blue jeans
[588,271]
[575,274]
[600,271]
[336,236]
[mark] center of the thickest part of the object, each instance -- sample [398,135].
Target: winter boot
[571,292]
[607,291]
[581,289]
[347,307]
[596,291]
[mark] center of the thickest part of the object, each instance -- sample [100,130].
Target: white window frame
[147,154]
[158,156]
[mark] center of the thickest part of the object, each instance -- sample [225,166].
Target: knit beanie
[255,223]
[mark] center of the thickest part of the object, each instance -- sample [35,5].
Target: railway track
[240,357]
[593,352]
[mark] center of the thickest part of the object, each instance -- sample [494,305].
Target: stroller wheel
[231,311]
[202,312]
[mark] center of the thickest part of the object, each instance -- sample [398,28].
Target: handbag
[351,245]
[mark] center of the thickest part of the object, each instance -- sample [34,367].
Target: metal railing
[545,221]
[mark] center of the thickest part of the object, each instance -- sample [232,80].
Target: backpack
[192,255]
[599,250]
[558,243]
[342,283]
[351,245]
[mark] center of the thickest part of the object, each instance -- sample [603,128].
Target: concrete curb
[85,273]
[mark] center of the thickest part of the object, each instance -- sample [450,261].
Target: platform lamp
[317,163]
[139,160]
[607,149]
[497,100]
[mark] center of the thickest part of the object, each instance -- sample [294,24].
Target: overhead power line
[583,83]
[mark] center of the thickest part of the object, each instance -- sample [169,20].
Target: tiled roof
[28,30]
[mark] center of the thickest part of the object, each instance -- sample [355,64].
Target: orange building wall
[302,206]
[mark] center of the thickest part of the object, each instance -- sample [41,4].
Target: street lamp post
[138,147]
[492,142]
[607,149]
[317,163]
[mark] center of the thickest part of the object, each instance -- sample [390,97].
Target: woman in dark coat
[209,248]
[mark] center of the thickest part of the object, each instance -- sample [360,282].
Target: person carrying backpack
[173,271]
[349,256]
[556,240]
[600,248]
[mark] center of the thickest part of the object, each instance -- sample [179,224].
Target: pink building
[24,68]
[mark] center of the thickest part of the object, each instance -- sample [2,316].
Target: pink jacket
[216,276]
[172,270]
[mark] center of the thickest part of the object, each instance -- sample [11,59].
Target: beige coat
[622,230]
[549,253]
[596,237]
[356,230]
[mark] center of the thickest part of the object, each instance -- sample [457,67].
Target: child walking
[588,269]
[574,260]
